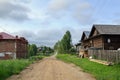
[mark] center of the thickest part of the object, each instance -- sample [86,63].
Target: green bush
[9,67]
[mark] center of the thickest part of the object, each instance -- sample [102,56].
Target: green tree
[34,47]
[32,50]
[65,44]
[68,40]
[56,45]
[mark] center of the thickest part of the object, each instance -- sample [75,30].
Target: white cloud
[35,15]
[58,5]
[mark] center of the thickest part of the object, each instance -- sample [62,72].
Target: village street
[52,69]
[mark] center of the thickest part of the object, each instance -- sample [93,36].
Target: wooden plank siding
[86,44]
[98,42]
[95,33]
[114,42]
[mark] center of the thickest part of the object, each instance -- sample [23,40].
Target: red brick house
[12,47]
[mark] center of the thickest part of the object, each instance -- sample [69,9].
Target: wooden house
[106,37]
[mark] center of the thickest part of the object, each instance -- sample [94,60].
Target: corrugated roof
[6,36]
[108,29]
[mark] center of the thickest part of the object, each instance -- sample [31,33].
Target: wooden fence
[107,55]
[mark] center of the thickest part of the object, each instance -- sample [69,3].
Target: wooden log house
[105,37]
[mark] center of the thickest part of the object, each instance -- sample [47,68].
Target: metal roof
[6,36]
[108,29]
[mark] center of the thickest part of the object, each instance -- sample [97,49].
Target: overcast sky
[44,22]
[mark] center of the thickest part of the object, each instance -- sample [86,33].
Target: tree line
[33,50]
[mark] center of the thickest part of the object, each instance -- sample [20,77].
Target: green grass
[9,67]
[99,71]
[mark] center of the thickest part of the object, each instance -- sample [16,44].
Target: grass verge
[10,67]
[100,72]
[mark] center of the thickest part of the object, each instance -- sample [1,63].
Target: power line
[101,6]
[4,29]
[104,6]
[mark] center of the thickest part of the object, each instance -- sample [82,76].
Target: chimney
[16,36]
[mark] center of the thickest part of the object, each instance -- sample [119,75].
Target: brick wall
[21,49]
[9,46]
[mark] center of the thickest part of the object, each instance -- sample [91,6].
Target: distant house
[105,37]
[12,47]
[85,40]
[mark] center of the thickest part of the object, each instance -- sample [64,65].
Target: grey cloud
[27,34]
[42,37]
[14,11]
[80,10]
[50,36]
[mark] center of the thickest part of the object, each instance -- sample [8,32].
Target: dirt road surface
[52,69]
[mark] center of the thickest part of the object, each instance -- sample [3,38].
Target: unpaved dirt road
[52,69]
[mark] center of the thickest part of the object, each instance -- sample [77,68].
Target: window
[2,54]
